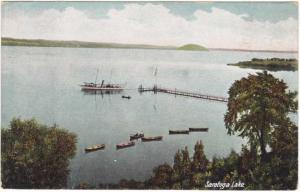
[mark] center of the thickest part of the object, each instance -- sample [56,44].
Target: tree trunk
[262,146]
[262,135]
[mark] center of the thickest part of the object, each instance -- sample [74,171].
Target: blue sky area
[261,11]
[239,25]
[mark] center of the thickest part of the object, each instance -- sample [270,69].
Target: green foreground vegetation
[273,64]
[81,44]
[36,156]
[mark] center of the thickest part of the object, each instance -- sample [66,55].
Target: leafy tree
[162,177]
[199,167]
[84,185]
[284,162]
[217,169]
[247,163]
[35,156]
[131,184]
[256,105]
[177,167]
[200,161]
[182,167]
[198,180]
[231,163]
[258,109]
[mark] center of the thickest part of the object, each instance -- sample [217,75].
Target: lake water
[43,83]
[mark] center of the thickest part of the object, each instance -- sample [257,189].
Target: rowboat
[157,138]
[136,136]
[95,148]
[125,144]
[126,97]
[198,129]
[178,131]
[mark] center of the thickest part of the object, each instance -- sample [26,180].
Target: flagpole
[155,74]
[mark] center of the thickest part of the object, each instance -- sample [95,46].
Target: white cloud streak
[154,24]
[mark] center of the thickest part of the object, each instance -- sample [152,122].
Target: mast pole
[110,76]
[155,74]
[96,76]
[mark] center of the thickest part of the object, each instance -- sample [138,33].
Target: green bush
[35,156]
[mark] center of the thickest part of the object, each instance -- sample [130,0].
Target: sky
[238,25]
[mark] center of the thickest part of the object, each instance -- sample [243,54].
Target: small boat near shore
[126,97]
[136,136]
[125,144]
[156,138]
[198,129]
[178,132]
[95,148]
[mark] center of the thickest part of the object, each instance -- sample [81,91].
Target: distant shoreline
[271,64]
[7,41]
[252,50]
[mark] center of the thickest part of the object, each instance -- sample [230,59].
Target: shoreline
[8,41]
[246,50]
[164,49]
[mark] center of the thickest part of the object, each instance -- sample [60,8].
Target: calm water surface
[43,83]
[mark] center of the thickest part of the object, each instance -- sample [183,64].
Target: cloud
[154,24]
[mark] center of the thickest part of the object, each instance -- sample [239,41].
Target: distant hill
[76,44]
[272,64]
[192,47]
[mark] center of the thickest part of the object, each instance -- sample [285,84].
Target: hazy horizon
[171,46]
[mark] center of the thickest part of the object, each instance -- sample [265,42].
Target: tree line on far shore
[271,64]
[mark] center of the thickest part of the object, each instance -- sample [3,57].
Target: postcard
[149,95]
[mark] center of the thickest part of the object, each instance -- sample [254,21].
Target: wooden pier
[156,89]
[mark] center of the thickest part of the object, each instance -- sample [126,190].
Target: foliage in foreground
[35,156]
[239,171]
[258,110]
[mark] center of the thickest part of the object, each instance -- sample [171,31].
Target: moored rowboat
[198,129]
[136,136]
[94,148]
[157,138]
[125,144]
[126,97]
[178,131]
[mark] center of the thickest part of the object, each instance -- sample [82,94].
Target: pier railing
[156,89]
